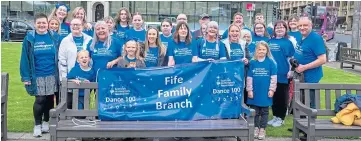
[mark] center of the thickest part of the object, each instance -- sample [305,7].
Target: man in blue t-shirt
[311,55]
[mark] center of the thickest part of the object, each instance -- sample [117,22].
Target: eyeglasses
[259,28]
[75,24]
[181,19]
[280,27]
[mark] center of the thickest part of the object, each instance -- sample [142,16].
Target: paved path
[29,137]
[336,65]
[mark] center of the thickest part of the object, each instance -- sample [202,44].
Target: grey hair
[213,24]
[108,41]
[244,32]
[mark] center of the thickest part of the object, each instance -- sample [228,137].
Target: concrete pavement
[336,65]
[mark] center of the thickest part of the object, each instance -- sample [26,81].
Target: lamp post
[356,27]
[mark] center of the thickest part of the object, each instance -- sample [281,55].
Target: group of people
[76,50]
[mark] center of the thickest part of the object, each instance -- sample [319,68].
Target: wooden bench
[350,56]
[316,127]
[62,126]
[4,103]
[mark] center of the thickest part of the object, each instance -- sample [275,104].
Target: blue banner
[204,90]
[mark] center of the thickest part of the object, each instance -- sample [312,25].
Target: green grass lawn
[20,104]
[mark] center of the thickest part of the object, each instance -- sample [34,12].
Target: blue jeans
[6,34]
[312,98]
[81,102]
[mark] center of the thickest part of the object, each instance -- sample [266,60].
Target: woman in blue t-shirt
[39,70]
[210,48]
[54,24]
[105,50]
[137,31]
[122,21]
[154,51]
[259,33]
[166,36]
[236,47]
[293,29]
[79,13]
[61,12]
[261,85]
[251,47]
[182,49]
[110,22]
[282,50]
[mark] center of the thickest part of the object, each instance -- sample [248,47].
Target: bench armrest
[307,110]
[248,111]
[54,113]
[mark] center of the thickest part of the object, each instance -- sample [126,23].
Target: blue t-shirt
[101,55]
[181,52]
[130,60]
[131,34]
[225,33]
[44,55]
[89,32]
[208,50]
[261,73]
[297,35]
[281,50]
[236,53]
[269,30]
[121,31]
[64,30]
[307,51]
[79,42]
[256,39]
[151,58]
[78,73]
[166,40]
[251,49]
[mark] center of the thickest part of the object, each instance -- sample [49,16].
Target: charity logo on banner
[204,90]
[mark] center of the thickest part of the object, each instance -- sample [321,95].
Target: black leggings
[280,100]
[42,106]
[57,98]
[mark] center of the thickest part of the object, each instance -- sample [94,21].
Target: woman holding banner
[154,50]
[210,48]
[122,21]
[39,70]
[182,49]
[105,50]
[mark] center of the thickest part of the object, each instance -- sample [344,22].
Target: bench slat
[317,99]
[307,98]
[329,86]
[86,98]
[91,85]
[348,91]
[338,93]
[156,125]
[328,99]
[75,98]
[325,112]
[326,124]
[358,92]
[97,99]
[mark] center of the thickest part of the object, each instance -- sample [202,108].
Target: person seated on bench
[81,73]
[261,85]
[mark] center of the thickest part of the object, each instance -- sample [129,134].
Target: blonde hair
[108,18]
[82,51]
[53,14]
[244,32]
[229,30]
[108,41]
[137,52]
[268,54]
[75,11]
[157,42]
[57,20]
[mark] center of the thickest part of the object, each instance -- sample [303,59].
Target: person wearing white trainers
[262,73]
[282,48]
[39,71]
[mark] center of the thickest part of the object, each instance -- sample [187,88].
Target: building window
[201,7]
[337,3]
[114,7]
[177,8]
[152,12]
[141,7]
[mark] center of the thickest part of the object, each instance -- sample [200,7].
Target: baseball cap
[204,15]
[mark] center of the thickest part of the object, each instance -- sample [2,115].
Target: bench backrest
[88,111]
[325,95]
[4,101]
[350,54]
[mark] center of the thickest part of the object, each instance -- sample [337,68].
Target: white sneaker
[256,132]
[262,134]
[37,131]
[272,121]
[279,122]
[45,127]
